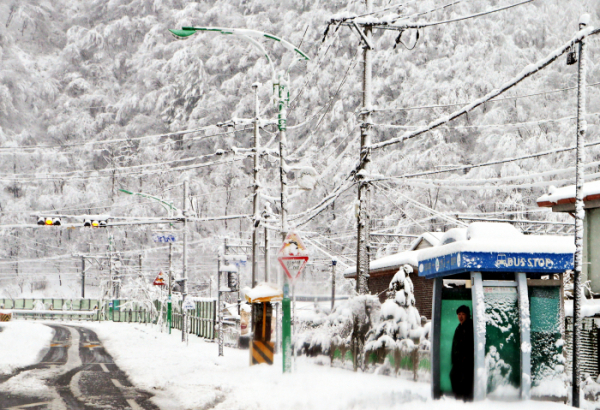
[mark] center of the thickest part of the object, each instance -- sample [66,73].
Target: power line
[329,104]
[424,24]
[485,164]
[516,97]
[129,139]
[73,174]
[508,125]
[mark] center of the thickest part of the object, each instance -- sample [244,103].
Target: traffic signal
[95,223]
[48,220]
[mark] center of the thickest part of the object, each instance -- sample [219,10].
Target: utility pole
[364,187]
[219,310]
[186,187]
[82,277]
[255,201]
[333,265]
[283,95]
[267,256]
[110,268]
[169,305]
[579,213]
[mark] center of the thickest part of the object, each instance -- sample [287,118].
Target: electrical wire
[516,97]
[424,24]
[490,163]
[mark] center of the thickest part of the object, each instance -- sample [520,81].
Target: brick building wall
[379,283]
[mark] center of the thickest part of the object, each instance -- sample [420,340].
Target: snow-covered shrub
[350,317]
[400,323]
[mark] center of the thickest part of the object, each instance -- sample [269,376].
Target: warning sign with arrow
[293,256]
[160,280]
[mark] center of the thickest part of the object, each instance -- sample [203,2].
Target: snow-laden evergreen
[400,325]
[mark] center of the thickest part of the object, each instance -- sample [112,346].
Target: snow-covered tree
[400,323]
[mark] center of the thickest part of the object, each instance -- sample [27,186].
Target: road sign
[188,305]
[164,238]
[293,256]
[160,280]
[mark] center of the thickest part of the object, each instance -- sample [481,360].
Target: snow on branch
[526,72]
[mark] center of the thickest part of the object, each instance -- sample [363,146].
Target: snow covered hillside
[93,93]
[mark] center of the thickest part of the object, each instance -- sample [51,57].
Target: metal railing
[201,320]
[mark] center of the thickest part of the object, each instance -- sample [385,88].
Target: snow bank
[22,343]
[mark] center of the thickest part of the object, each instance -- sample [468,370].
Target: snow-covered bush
[354,316]
[400,323]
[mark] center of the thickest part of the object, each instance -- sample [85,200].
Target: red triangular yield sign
[293,265]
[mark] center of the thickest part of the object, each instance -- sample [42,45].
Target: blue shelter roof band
[460,262]
[488,247]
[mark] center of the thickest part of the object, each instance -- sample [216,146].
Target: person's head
[463,313]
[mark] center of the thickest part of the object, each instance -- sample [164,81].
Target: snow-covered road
[74,372]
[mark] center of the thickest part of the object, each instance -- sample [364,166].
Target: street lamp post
[170,208]
[281,90]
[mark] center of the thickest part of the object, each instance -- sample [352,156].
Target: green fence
[26,308]
[201,320]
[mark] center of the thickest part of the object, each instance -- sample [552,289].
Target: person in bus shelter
[461,375]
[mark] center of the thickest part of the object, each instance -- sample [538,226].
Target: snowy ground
[193,376]
[22,343]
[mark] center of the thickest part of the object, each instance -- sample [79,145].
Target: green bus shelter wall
[451,300]
[503,337]
[544,306]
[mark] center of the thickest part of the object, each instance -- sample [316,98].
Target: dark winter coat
[463,349]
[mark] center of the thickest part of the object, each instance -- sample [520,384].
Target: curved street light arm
[250,36]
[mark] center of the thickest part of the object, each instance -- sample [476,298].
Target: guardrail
[54,314]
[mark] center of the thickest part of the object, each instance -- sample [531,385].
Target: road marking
[92,345]
[134,405]
[60,345]
[104,368]
[24,406]
[117,383]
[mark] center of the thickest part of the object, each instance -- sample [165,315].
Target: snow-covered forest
[95,94]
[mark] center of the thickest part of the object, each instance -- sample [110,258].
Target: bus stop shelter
[512,284]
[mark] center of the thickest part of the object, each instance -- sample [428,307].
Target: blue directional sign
[460,262]
[164,238]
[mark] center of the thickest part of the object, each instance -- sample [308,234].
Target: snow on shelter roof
[401,258]
[496,247]
[566,194]
[432,237]
[263,292]
[390,261]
